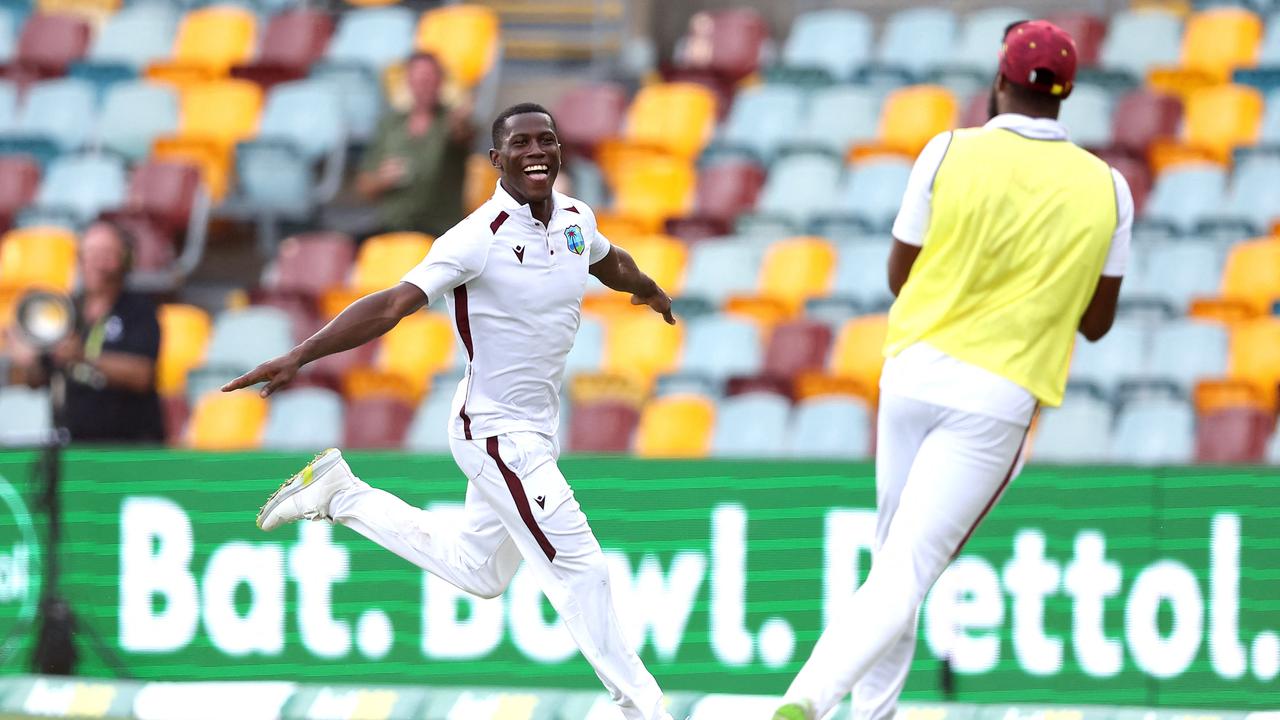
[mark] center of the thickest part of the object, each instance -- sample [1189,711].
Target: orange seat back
[215,38]
[420,346]
[641,345]
[797,269]
[463,37]
[1222,118]
[859,350]
[675,117]
[228,421]
[676,426]
[1252,274]
[911,116]
[1221,39]
[1255,355]
[43,257]
[384,259]
[184,338]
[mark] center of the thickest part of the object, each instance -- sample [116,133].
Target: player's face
[529,157]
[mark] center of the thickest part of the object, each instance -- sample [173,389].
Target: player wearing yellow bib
[1010,239]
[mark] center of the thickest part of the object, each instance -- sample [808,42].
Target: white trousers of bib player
[939,471]
[518,506]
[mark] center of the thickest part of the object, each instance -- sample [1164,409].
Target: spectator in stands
[414,168]
[109,362]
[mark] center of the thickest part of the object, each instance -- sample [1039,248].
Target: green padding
[1100,586]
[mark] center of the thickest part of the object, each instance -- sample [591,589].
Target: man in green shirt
[414,168]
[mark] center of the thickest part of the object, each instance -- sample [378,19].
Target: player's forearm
[624,275]
[364,320]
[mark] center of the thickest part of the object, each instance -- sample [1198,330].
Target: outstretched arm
[365,319]
[618,271]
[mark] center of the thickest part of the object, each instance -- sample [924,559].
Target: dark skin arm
[901,258]
[618,271]
[365,319]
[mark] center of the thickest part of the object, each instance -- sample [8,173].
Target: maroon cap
[1040,56]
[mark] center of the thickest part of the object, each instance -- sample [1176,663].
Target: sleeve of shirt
[600,245]
[1118,257]
[912,222]
[455,257]
[141,334]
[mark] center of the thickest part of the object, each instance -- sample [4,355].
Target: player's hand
[659,301]
[275,373]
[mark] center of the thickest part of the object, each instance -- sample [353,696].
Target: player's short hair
[500,122]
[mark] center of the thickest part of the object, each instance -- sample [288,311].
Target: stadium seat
[718,269]
[300,125]
[1234,435]
[1138,175]
[303,419]
[1221,118]
[19,179]
[311,263]
[839,118]
[38,257]
[1138,40]
[1269,53]
[1254,197]
[663,258]
[1219,40]
[373,37]
[1185,195]
[917,40]
[1077,432]
[164,194]
[81,186]
[8,105]
[1187,350]
[589,114]
[871,193]
[1089,32]
[799,187]
[797,346]
[293,41]
[134,114]
[421,346]
[911,116]
[603,427]
[981,32]
[376,422]
[8,37]
[674,117]
[184,339]
[1087,115]
[797,269]
[642,346]
[209,42]
[587,354]
[858,353]
[244,338]
[26,415]
[1121,357]
[1269,134]
[48,44]
[361,95]
[228,421]
[725,189]
[832,427]
[718,346]
[762,119]
[1252,274]
[1273,449]
[136,36]
[1154,431]
[1255,355]
[62,111]
[751,425]
[464,37]
[837,41]
[384,259]
[729,45]
[862,272]
[1143,117]
[676,426]
[833,311]
[429,430]
[652,190]
[1176,272]
[214,117]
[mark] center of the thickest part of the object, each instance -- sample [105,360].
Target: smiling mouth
[537,172]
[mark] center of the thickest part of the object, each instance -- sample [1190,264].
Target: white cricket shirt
[924,373]
[514,289]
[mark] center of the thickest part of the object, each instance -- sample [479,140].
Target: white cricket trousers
[938,473]
[518,506]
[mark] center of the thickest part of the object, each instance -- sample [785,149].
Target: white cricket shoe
[306,495]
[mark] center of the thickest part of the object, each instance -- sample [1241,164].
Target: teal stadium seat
[245,338]
[63,111]
[719,346]
[836,41]
[587,353]
[1077,432]
[135,36]
[871,193]
[25,415]
[800,187]
[588,182]
[1185,351]
[429,430]
[836,428]
[1139,40]
[751,425]
[1273,449]
[300,125]
[303,419]
[1087,115]
[360,92]
[762,119]
[1175,272]
[839,117]
[718,269]
[1269,53]
[1154,431]
[8,37]
[1254,196]
[1184,196]
[8,106]
[373,37]
[1118,358]
[79,187]
[980,32]
[134,114]
[918,40]
[1269,132]
[862,272]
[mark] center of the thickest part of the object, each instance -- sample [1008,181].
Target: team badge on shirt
[573,237]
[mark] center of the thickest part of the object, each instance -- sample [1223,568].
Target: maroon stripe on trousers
[1008,477]
[522,501]
[463,320]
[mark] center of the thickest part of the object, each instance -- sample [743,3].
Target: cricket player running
[1010,239]
[513,275]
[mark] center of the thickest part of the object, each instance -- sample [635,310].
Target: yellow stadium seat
[418,348]
[1215,394]
[606,305]
[184,337]
[209,42]
[223,112]
[1221,310]
[1252,274]
[1179,82]
[642,345]
[859,351]
[228,421]
[1255,354]
[384,259]
[587,388]
[654,190]
[620,228]
[463,37]
[912,115]
[797,269]
[1222,118]
[765,312]
[675,117]
[43,257]
[676,426]
[815,383]
[481,177]
[663,258]
[361,382]
[1221,39]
